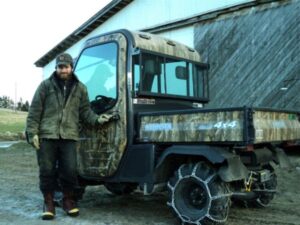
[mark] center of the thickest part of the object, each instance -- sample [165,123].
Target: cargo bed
[231,125]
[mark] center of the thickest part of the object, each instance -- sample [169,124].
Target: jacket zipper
[65,93]
[71,93]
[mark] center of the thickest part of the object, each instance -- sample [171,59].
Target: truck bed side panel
[275,126]
[193,127]
[234,125]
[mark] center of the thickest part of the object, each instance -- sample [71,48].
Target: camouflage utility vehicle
[162,139]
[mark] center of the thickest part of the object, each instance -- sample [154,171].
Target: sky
[29,29]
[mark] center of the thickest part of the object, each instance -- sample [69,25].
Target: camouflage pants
[57,162]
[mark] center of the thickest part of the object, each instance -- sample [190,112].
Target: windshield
[163,76]
[97,69]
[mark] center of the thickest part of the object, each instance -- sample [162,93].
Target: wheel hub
[197,197]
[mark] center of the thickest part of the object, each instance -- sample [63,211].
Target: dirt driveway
[21,200]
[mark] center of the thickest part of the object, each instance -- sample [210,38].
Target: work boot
[69,204]
[49,208]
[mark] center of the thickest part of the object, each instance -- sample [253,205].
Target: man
[53,128]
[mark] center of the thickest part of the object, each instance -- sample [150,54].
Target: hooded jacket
[55,114]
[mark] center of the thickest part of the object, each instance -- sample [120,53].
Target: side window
[152,74]
[191,80]
[136,72]
[164,76]
[97,69]
[176,81]
[158,84]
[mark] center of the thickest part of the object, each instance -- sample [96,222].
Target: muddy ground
[21,200]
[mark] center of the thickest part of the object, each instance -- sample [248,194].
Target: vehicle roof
[153,43]
[159,44]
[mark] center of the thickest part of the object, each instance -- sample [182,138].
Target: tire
[264,198]
[120,188]
[198,196]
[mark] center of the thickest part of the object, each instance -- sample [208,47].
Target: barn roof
[116,5]
[95,21]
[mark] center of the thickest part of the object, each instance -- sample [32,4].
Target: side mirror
[181,72]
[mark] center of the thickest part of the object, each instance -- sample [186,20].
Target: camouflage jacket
[50,116]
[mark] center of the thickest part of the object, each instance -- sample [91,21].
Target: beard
[64,75]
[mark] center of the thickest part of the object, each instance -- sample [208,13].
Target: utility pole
[15,104]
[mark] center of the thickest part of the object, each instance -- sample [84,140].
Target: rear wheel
[266,192]
[198,196]
[120,188]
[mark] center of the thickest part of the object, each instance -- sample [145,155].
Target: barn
[253,47]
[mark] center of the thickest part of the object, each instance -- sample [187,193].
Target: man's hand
[104,118]
[36,141]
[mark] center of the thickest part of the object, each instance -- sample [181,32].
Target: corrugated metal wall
[254,56]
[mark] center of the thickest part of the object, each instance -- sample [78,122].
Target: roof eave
[100,17]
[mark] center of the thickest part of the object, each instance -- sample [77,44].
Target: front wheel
[198,196]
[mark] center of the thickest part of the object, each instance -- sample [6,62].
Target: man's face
[64,71]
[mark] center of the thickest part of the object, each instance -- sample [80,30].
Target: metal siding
[251,54]
[184,35]
[141,14]
[165,11]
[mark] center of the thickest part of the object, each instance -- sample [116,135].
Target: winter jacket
[55,114]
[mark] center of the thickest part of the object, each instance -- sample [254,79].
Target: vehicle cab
[129,73]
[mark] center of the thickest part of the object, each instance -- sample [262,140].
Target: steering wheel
[99,97]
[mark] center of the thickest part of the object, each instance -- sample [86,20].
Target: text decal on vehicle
[190,126]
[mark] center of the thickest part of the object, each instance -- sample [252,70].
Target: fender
[230,168]
[280,157]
